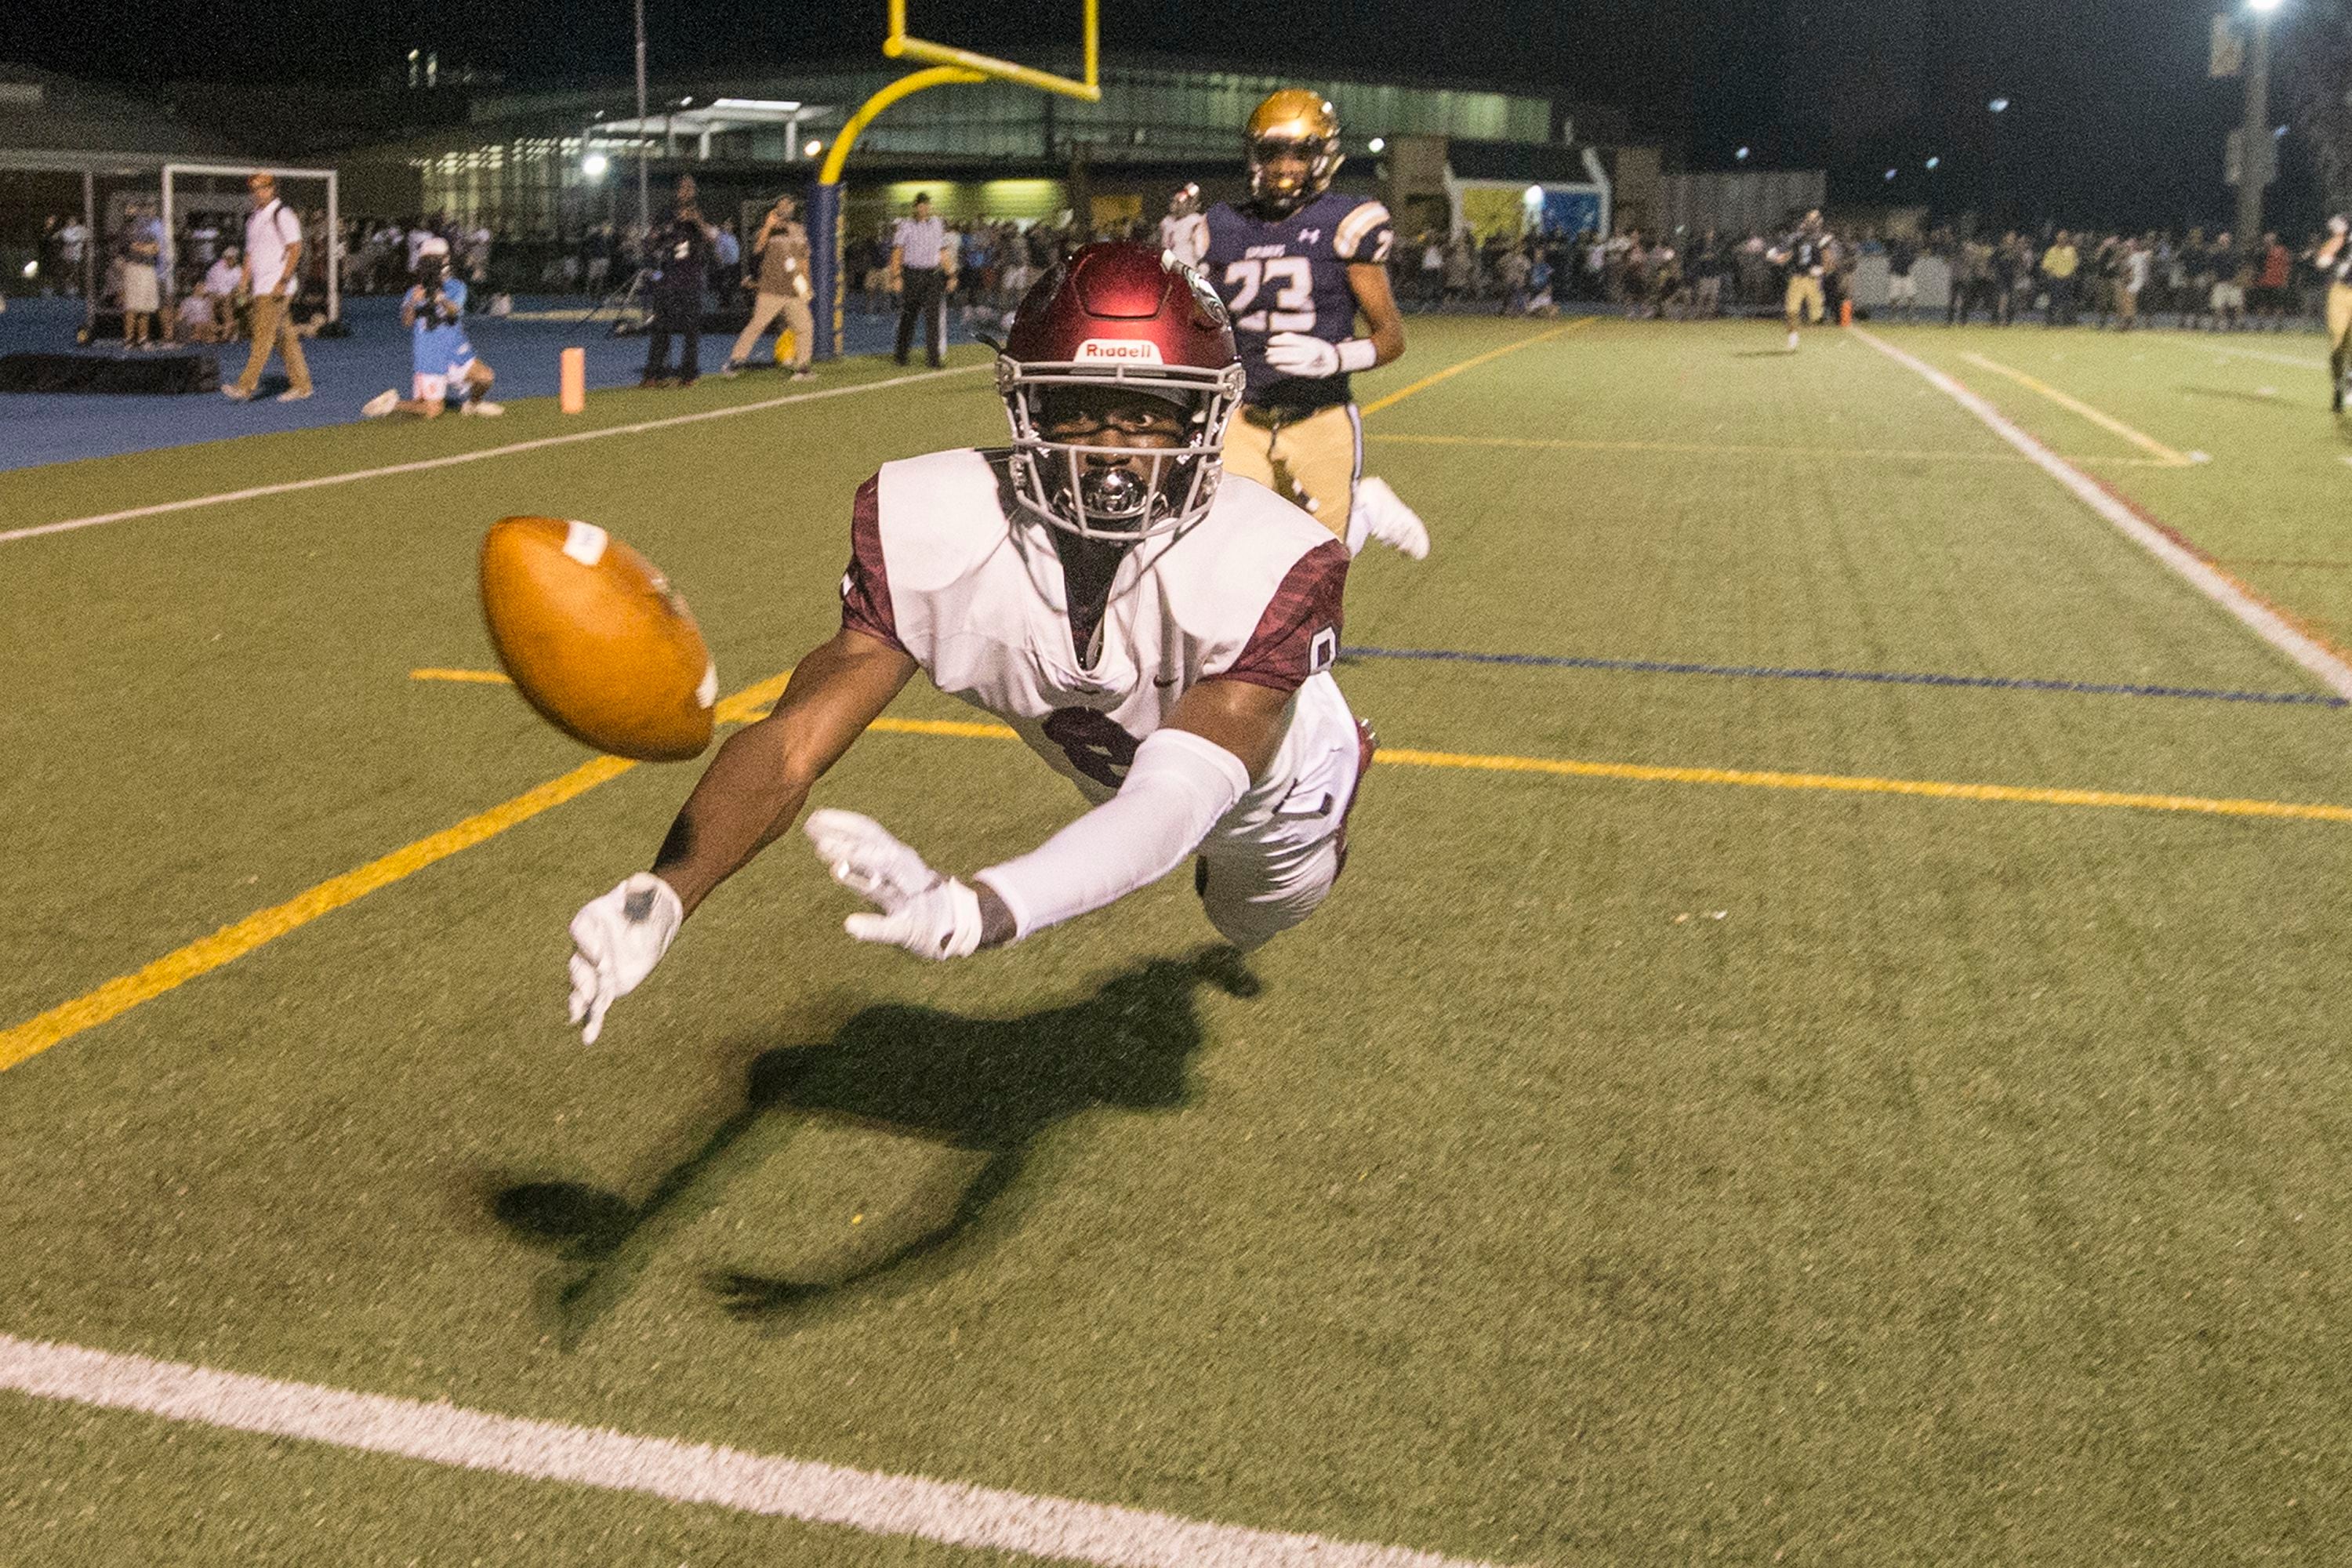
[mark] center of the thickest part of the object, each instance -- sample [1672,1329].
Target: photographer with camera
[681,253]
[433,313]
[781,288]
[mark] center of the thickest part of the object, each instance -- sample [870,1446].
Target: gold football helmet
[1294,123]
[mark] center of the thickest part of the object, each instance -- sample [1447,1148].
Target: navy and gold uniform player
[1296,264]
[1808,253]
[2334,260]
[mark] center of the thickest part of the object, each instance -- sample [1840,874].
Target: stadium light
[1535,195]
[1741,155]
[2264,7]
[1999,106]
[1890,174]
[811,149]
[595,164]
[1934,164]
[32,270]
[1377,144]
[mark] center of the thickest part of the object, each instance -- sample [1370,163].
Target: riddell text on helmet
[1120,349]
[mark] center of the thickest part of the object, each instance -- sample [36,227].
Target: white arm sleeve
[1177,789]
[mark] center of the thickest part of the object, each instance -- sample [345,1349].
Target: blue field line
[1868,677]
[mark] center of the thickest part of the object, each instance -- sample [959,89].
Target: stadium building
[549,161]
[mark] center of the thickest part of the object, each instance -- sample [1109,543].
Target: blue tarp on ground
[347,372]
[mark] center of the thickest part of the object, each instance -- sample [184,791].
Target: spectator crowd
[2192,279]
[2063,278]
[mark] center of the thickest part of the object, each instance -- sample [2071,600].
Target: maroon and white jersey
[947,565]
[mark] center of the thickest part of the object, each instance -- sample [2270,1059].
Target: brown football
[596,639]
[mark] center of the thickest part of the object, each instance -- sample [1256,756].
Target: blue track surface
[347,372]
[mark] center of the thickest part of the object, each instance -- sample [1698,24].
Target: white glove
[930,915]
[1296,353]
[615,941]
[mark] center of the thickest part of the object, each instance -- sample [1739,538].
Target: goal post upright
[944,66]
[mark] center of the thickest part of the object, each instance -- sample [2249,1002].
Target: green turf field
[1634,1166]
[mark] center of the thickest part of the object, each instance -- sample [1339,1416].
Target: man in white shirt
[273,262]
[915,251]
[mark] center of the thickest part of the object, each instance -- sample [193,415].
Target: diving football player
[1160,633]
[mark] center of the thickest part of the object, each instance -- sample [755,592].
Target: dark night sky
[2113,116]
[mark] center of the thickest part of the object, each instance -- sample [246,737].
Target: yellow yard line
[1742,778]
[233,941]
[1473,363]
[2108,422]
[1891,453]
[1845,784]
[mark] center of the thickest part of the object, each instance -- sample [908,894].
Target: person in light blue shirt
[442,359]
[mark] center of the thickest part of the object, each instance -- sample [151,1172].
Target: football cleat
[1389,521]
[482,408]
[381,404]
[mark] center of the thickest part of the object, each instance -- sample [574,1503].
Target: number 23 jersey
[947,567]
[1290,275]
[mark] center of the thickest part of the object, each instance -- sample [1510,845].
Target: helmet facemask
[1276,197]
[1119,493]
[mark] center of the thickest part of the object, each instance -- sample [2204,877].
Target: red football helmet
[1120,315]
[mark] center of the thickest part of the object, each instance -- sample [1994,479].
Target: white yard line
[428,463]
[2258,617]
[2216,348]
[439,1434]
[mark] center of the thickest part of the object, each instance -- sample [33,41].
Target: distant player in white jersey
[1297,264]
[1160,633]
[1184,233]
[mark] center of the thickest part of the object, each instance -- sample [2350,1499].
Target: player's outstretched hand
[615,941]
[930,915]
[1296,353]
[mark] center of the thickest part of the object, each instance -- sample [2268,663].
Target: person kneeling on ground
[433,311]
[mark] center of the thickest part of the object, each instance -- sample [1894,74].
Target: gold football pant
[1310,459]
[1805,299]
[2339,314]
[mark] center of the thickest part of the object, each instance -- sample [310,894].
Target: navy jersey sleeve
[1365,234]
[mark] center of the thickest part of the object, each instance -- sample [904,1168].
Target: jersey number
[1096,747]
[1293,277]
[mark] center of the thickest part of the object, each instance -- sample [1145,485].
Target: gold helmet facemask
[1300,123]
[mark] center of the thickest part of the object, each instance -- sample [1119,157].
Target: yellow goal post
[943,65]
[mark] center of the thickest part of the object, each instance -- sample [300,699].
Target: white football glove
[930,915]
[1296,353]
[615,941]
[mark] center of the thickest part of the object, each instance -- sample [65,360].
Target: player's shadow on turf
[979,1093]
